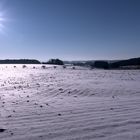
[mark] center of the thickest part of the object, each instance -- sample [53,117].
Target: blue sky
[69,29]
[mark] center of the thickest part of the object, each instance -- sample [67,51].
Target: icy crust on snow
[68,104]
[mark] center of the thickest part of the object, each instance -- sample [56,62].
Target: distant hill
[129,62]
[87,62]
[20,61]
[112,64]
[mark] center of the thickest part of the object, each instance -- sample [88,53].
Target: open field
[69,104]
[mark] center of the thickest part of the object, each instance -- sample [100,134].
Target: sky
[69,29]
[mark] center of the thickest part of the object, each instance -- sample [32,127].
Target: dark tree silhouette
[101,64]
[129,62]
[55,62]
[19,61]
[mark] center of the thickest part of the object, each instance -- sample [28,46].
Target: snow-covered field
[69,104]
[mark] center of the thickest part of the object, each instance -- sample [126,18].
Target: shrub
[73,68]
[24,66]
[43,67]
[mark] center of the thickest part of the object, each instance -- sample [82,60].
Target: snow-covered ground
[69,104]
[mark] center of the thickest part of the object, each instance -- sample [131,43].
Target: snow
[69,104]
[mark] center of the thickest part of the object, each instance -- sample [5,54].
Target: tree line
[20,61]
[116,65]
[31,61]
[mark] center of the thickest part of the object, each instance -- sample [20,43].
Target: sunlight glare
[2,19]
